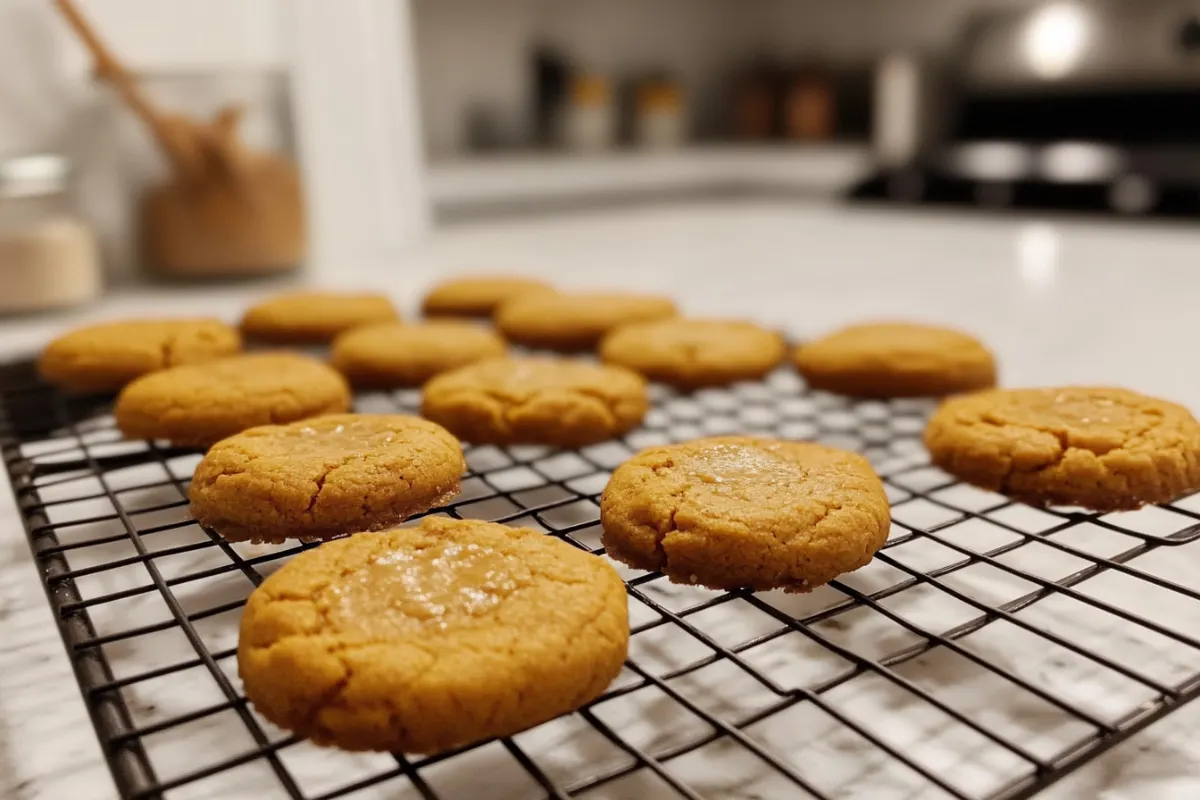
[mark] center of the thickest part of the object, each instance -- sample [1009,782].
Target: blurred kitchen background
[402,115]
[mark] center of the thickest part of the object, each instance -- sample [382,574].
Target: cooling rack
[989,650]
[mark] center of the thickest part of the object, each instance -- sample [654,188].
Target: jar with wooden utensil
[225,209]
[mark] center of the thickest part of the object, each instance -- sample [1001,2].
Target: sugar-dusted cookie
[743,512]
[576,321]
[1100,448]
[478,295]
[418,640]
[325,477]
[105,357]
[550,401]
[896,360]
[691,353]
[395,354]
[314,317]
[201,404]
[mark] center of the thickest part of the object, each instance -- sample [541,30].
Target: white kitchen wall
[476,51]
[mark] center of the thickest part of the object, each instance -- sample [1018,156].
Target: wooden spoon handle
[109,69]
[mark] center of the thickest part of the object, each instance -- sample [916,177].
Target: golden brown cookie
[1104,449]
[325,477]
[691,353]
[201,404]
[421,639]
[478,295]
[735,511]
[536,401]
[105,357]
[576,321]
[314,317]
[394,354]
[896,360]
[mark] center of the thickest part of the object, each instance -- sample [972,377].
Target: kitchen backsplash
[475,54]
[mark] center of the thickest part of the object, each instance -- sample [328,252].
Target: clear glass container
[48,257]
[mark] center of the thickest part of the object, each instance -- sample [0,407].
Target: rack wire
[989,650]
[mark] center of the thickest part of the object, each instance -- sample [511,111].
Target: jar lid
[33,175]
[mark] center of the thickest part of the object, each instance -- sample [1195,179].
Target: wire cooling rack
[986,652]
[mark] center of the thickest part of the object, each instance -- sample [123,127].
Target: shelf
[522,180]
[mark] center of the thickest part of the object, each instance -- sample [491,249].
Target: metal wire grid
[989,649]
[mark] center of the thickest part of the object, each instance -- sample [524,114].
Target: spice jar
[809,107]
[588,120]
[48,257]
[659,120]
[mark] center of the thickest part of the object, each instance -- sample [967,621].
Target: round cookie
[325,477]
[478,295]
[690,353]
[393,354]
[418,640]
[536,401]
[576,321]
[735,512]
[201,404]
[896,360]
[1100,448]
[314,317]
[105,357]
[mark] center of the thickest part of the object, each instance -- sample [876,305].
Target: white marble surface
[1061,302]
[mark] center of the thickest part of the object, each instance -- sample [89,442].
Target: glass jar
[48,257]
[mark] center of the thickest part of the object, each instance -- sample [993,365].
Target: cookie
[478,295]
[325,477]
[575,321]
[896,360]
[314,317]
[418,640]
[690,353]
[393,354]
[105,357]
[536,401]
[742,512]
[201,404]
[1100,448]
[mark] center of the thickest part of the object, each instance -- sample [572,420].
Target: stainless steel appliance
[1082,106]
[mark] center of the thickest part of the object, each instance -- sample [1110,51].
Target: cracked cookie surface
[1101,448]
[325,477]
[105,357]
[736,512]
[314,317]
[201,404]
[478,295]
[422,639]
[691,353]
[896,360]
[395,354]
[576,321]
[536,401]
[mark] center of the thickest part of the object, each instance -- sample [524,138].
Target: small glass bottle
[660,116]
[589,119]
[48,257]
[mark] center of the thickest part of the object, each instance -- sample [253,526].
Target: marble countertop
[1060,302]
